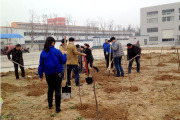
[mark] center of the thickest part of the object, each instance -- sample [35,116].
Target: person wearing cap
[117,55]
[62,49]
[89,57]
[109,51]
[72,62]
[132,51]
[17,57]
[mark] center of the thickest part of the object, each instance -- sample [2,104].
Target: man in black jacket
[17,57]
[132,51]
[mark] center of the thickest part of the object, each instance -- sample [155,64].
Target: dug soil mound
[167,77]
[161,65]
[105,113]
[118,89]
[36,89]
[6,87]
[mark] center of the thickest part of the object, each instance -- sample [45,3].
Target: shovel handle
[17,63]
[86,65]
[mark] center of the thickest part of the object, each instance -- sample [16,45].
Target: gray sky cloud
[123,12]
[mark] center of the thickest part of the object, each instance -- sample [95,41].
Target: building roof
[10,35]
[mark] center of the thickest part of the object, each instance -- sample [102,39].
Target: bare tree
[103,26]
[33,26]
[9,29]
[45,26]
[94,25]
[68,21]
[110,27]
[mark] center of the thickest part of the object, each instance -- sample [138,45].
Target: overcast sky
[122,12]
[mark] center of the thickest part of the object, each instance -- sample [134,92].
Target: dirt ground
[144,96]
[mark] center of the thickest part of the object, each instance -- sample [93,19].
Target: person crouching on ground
[132,51]
[89,57]
[117,55]
[62,49]
[111,57]
[17,56]
[51,63]
[72,62]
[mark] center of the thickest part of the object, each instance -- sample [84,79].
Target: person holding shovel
[51,63]
[117,55]
[89,57]
[62,49]
[133,52]
[110,55]
[72,62]
[17,58]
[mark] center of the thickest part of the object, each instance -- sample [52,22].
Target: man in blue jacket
[105,45]
[51,63]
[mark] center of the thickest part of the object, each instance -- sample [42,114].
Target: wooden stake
[97,109]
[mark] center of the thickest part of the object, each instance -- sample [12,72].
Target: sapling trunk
[94,89]
[159,60]
[178,60]
[128,74]
[150,56]
[80,96]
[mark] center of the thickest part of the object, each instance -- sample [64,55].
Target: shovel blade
[89,80]
[66,92]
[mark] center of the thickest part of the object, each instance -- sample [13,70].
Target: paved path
[32,59]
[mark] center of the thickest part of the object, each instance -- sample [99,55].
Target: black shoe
[79,85]
[50,106]
[58,110]
[122,75]
[117,76]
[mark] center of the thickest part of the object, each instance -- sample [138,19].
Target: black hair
[49,41]
[77,46]
[109,40]
[82,47]
[129,44]
[71,39]
[18,45]
[87,45]
[112,38]
[63,41]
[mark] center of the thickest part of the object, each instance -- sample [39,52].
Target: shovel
[89,80]
[66,91]
[132,59]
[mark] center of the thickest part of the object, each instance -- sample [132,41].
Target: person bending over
[132,51]
[17,56]
[89,57]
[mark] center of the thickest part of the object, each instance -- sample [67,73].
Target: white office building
[161,24]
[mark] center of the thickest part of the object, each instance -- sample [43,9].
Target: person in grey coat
[117,55]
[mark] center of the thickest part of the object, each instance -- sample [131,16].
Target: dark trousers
[16,71]
[76,72]
[138,64]
[54,84]
[118,66]
[91,65]
[107,63]
[105,54]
